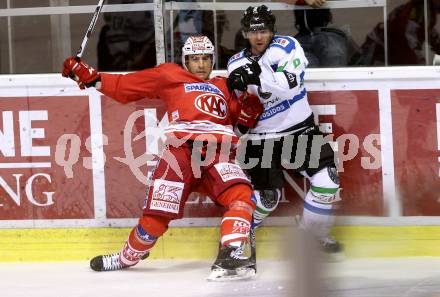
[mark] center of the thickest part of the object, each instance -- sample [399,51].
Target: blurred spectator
[312,3]
[406,36]
[126,41]
[199,22]
[240,41]
[324,46]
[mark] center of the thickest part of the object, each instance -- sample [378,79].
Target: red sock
[236,221]
[142,238]
[235,227]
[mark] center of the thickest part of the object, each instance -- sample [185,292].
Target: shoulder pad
[236,57]
[286,43]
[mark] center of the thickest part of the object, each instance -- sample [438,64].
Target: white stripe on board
[437,107]
[99,197]
[25,165]
[392,205]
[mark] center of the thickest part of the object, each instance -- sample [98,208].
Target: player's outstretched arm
[121,87]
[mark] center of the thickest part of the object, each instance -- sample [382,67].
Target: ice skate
[332,249]
[232,264]
[107,263]
[110,262]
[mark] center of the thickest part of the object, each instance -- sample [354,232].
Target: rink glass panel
[29,3]
[31,49]
[407,32]
[132,45]
[122,41]
[45,3]
[4,50]
[181,24]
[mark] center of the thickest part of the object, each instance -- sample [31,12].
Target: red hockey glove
[83,74]
[250,110]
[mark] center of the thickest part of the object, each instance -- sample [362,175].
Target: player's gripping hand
[243,76]
[83,74]
[250,110]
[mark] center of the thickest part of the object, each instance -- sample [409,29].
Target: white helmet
[197,45]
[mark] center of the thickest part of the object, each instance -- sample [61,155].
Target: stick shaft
[90,29]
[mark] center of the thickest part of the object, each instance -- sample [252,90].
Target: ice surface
[401,277]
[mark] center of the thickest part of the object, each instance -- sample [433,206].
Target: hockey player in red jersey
[201,113]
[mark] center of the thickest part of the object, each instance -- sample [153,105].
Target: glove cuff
[93,83]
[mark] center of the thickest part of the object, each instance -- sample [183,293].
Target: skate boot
[112,262]
[107,263]
[232,264]
[333,250]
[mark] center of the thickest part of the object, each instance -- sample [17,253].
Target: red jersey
[194,106]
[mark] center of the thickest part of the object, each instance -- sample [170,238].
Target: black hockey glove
[243,76]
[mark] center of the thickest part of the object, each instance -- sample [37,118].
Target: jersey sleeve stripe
[278,40]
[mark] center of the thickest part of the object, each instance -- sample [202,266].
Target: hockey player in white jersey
[273,67]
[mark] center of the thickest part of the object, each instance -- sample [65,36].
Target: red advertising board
[355,113]
[36,182]
[416,150]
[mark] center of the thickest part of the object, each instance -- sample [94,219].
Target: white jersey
[285,104]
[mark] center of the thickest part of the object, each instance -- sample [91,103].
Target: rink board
[201,243]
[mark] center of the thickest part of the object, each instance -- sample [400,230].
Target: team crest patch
[212,104]
[166,196]
[229,171]
[282,41]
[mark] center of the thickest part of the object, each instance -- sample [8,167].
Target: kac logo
[213,105]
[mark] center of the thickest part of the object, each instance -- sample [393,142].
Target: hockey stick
[90,29]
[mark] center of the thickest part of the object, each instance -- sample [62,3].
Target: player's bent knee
[242,205]
[238,197]
[153,225]
[267,200]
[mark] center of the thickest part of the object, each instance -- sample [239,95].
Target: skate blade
[222,275]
